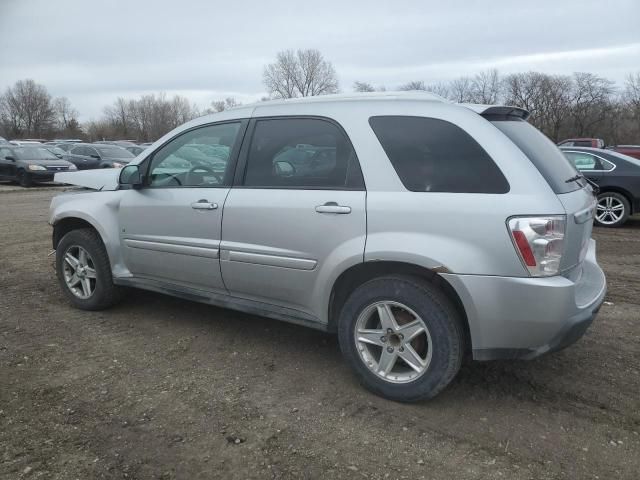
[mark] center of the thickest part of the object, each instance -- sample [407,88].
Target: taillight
[539,242]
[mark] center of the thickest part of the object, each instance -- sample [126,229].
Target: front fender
[98,209]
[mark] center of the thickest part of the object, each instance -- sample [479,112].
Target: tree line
[562,106]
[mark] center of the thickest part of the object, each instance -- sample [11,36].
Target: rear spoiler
[497,110]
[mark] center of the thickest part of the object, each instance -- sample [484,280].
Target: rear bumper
[513,317]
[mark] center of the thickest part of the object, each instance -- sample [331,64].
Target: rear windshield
[114,152]
[542,152]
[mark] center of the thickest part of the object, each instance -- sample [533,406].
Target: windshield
[33,153]
[56,150]
[113,152]
[543,153]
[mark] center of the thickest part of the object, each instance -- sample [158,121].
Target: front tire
[402,336]
[24,179]
[84,271]
[613,210]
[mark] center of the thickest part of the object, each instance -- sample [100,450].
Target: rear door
[586,163]
[297,212]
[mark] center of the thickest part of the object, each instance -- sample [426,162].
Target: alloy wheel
[393,341]
[609,210]
[79,272]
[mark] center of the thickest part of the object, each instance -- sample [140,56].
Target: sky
[93,51]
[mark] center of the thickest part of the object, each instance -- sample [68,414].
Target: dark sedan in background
[87,156]
[29,164]
[617,176]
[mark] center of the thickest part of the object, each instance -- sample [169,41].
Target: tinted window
[582,143]
[543,153]
[432,155]
[113,152]
[583,161]
[301,153]
[77,151]
[199,158]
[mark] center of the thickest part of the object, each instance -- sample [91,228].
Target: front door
[297,214]
[7,167]
[170,228]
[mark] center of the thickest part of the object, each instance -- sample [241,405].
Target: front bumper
[42,175]
[515,317]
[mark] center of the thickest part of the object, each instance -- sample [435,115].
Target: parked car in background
[66,146]
[57,151]
[617,176]
[417,230]
[582,142]
[87,156]
[135,149]
[25,142]
[630,150]
[29,164]
[3,141]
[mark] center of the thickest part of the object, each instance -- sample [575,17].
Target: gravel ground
[163,388]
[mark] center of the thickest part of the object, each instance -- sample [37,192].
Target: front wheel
[402,336]
[24,179]
[613,210]
[84,271]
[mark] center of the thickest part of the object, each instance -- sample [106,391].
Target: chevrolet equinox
[416,229]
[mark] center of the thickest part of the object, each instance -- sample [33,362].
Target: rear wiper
[594,185]
[574,179]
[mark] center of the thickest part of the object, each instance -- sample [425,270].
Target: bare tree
[363,87]
[65,113]
[26,109]
[486,87]
[303,73]
[591,102]
[461,90]
[441,89]
[226,104]
[413,85]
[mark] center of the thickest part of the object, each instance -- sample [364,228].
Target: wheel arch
[360,273]
[625,193]
[66,224]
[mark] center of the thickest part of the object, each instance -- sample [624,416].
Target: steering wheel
[201,169]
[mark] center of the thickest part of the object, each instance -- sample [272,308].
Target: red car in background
[630,150]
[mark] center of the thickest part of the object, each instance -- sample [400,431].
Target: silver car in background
[416,229]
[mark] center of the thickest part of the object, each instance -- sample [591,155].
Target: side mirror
[11,158]
[130,175]
[284,169]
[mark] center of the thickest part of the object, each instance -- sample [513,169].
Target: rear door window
[583,161]
[543,153]
[433,155]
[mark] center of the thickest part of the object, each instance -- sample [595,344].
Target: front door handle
[333,207]
[204,205]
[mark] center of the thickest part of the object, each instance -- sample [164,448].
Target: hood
[98,179]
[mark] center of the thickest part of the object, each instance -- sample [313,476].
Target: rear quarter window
[433,155]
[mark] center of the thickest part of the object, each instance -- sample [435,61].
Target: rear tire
[100,292]
[24,179]
[413,303]
[613,210]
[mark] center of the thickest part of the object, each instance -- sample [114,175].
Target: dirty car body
[294,237]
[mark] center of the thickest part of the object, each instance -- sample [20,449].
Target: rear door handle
[333,207]
[204,205]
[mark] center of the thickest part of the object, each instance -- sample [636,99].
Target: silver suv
[416,229]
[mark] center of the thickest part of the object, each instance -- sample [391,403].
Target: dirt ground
[163,388]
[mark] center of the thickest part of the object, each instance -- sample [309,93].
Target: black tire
[105,293]
[626,209]
[24,179]
[438,313]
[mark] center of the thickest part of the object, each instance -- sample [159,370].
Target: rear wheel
[613,209]
[24,179]
[402,336]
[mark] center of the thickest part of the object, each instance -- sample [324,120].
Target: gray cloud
[95,51]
